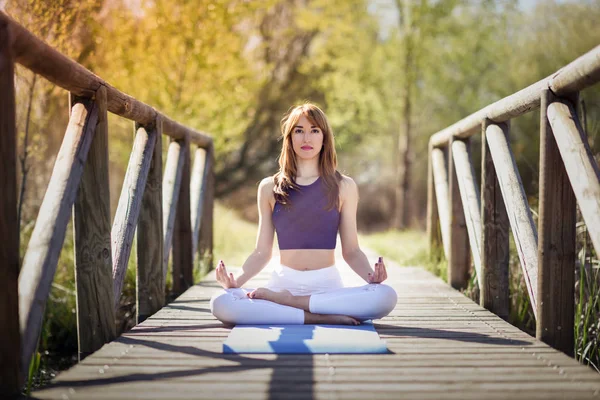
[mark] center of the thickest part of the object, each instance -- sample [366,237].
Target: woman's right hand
[225,279]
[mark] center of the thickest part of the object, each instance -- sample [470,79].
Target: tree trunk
[403,157]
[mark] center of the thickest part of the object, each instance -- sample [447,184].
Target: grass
[407,248]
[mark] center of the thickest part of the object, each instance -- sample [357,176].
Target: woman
[306,203]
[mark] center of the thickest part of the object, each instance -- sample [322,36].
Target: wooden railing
[468,219]
[170,212]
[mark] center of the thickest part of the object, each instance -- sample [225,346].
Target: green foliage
[408,248]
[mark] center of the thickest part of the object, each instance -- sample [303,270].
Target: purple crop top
[306,224]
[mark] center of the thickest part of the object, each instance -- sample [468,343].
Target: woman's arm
[351,251]
[353,255]
[261,255]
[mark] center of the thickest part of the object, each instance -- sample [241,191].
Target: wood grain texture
[59,69]
[130,201]
[150,281]
[459,259]
[579,163]
[442,345]
[198,194]
[440,180]
[10,379]
[433,220]
[206,229]
[519,213]
[41,257]
[91,231]
[170,194]
[577,75]
[556,246]
[183,257]
[469,194]
[494,293]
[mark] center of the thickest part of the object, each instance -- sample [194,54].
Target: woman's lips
[306,148]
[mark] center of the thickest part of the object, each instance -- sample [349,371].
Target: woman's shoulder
[266,185]
[347,185]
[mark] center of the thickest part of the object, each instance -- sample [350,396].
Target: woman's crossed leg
[346,306]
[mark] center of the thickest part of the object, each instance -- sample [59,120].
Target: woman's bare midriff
[307,260]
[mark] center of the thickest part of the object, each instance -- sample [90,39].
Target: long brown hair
[285,179]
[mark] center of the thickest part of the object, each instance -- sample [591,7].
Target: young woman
[307,202]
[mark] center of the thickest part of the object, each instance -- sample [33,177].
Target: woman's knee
[221,306]
[385,299]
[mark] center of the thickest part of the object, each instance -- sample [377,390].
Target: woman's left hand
[380,274]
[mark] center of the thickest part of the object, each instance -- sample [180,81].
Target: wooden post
[183,257]
[469,194]
[459,257]
[170,194]
[433,219]
[91,231]
[128,210]
[41,257]
[150,281]
[494,293]
[517,207]
[556,246]
[579,163]
[440,180]
[197,197]
[206,230]
[10,345]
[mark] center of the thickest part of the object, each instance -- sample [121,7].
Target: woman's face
[307,139]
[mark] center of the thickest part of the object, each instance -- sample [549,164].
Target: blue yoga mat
[307,339]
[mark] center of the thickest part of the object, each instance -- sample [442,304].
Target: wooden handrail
[130,202]
[10,345]
[547,261]
[582,72]
[91,228]
[41,257]
[79,183]
[39,57]
[469,194]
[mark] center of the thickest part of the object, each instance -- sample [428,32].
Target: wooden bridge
[442,345]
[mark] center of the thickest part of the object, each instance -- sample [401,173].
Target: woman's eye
[315,131]
[298,131]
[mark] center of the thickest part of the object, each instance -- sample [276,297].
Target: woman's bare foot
[331,319]
[284,297]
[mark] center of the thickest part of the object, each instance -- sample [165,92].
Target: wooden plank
[183,257]
[494,293]
[198,194]
[580,165]
[10,379]
[206,229]
[150,285]
[130,201]
[440,180]
[91,231]
[433,219]
[556,246]
[458,258]
[41,257]
[170,194]
[59,69]
[469,194]
[519,214]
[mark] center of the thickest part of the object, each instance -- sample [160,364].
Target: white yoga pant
[328,296]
